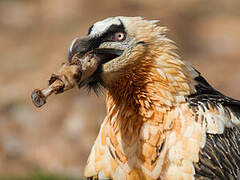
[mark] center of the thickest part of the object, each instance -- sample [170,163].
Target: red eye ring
[119,36]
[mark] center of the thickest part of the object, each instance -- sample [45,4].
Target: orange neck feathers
[145,91]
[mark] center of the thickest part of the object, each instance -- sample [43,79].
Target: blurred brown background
[34,37]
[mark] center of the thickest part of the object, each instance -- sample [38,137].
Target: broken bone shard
[69,75]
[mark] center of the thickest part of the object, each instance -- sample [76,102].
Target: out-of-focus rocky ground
[34,37]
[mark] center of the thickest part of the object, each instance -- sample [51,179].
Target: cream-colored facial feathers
[145,41]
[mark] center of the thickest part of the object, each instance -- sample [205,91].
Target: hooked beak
[81,46]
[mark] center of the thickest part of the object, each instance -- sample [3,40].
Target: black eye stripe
[114,28]
[107,36]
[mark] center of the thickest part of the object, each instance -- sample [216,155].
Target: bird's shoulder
[213,108]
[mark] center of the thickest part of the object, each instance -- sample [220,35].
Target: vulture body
[164,121]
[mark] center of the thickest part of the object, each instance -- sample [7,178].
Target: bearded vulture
[164,121]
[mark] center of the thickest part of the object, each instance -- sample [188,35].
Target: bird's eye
[119,36]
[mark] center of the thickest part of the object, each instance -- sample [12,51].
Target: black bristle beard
[94,82]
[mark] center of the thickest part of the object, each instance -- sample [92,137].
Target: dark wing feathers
[220,157]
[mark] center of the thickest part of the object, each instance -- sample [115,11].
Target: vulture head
[128,47]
